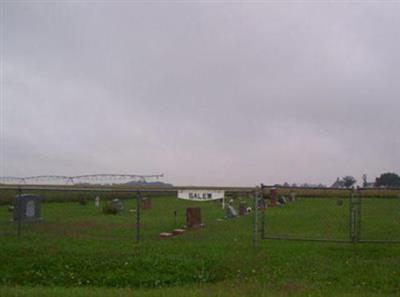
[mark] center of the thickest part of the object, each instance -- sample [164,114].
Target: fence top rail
[332,188]
[158,189]
[126,189]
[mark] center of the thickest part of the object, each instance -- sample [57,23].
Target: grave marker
[231,212]
[27,208]
[166,235]
[193,217]
[242,209]
[146,203]
[274,194]
[178,231]
[282,199]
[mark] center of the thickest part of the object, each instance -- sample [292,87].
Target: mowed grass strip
[223,289]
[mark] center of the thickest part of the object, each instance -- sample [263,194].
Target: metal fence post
[354,217]
[138,202]
[263,209]
[255,229]
[359,215]
[262,231]
[19,211]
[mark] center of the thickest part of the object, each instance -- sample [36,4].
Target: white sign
[201,195]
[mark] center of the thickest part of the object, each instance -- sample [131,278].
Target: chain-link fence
[145,215]
[350,218]
[154,215]
[379,219]
[79,242]
[67,214]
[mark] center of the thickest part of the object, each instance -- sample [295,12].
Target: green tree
[349,181]
[388,179]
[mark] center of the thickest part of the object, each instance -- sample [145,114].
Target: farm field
[78,251]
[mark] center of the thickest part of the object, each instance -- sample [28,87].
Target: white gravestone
[30,209]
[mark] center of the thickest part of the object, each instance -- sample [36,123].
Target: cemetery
[195,243]
[173,148]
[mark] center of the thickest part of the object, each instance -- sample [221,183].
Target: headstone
[193,217]
[249,209]
[339,202]
[292,196]
[82,200]
[97,201]
[117,204]
[166,235]
[27,208]
[282,199]
[274,195]
[231,212]
[242,209]
[178,231]
[146,203]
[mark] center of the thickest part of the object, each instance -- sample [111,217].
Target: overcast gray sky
[207,93]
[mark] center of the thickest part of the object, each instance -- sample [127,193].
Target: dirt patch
[293,287]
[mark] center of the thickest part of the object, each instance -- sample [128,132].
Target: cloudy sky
[227,93]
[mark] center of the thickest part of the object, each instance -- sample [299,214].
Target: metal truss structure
[78,179]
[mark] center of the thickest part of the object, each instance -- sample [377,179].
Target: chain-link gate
[379,220]
[342,219]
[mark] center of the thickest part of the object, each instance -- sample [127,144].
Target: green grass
[324,218]
[222,289]
[78,251]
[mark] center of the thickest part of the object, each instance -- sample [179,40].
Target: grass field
[328,219]
[78,251]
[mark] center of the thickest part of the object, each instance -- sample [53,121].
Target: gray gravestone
[282,199]
[117,204]
[27,208]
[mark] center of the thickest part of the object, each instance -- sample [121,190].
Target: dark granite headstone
[27,208]
[242,209]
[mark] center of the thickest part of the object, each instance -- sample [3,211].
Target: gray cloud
[227,93]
